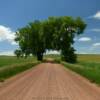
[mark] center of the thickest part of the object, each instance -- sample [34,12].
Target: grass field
[87,66]
[12,60]
[10,66]
[89,58]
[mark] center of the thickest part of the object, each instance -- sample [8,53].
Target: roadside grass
[93,74]
[9,69]
[87,66]
[13,70]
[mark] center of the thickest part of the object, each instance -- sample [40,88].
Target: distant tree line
[54,33]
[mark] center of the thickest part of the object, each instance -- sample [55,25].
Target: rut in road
[48,81]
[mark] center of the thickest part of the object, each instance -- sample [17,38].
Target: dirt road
[48,81]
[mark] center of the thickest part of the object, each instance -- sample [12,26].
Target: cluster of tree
[18,53]
[54,33]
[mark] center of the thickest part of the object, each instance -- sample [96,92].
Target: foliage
[55,33]
[18,53]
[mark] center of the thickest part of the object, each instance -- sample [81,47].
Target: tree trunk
[39,56]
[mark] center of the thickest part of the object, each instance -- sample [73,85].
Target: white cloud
[14,43]
[95,16]
[96,44]
[7,34]
[52,52]
[75,39]
[95,30]
[84,39]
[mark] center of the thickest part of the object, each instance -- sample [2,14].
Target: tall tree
[59,33]
[30,39]
[70,28]
[55,33]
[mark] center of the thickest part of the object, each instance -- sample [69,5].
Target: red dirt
[48,81]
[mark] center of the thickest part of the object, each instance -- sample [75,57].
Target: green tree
[30,39]
[59,33]
[55,33]
[70,28]
[18,53]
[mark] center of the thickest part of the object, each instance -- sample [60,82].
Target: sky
[15,14]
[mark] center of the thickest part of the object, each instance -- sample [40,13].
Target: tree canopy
[54,33]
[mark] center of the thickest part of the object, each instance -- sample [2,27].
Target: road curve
[48,81]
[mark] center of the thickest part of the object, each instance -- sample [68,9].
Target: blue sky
[17,13]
